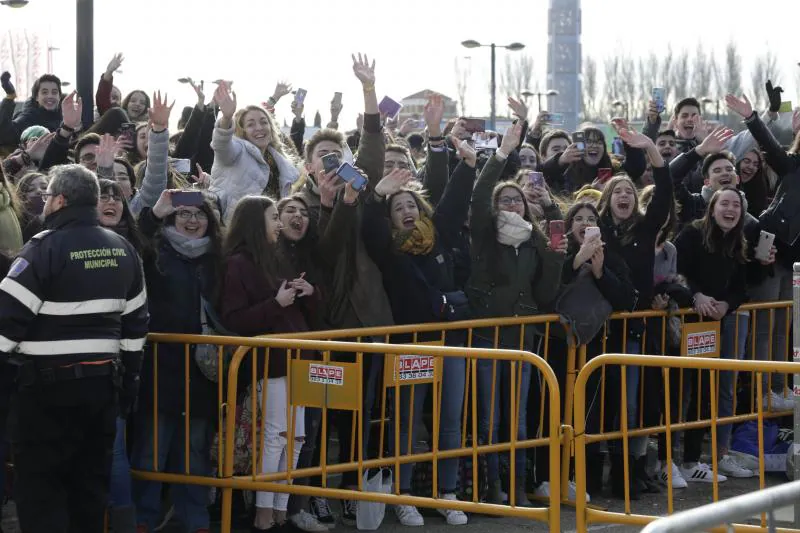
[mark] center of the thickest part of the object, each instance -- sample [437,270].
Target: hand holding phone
[591,232]
[352,176]
[556,234]
[300,96]
[187,198]
[536,178]
[579,140]
[604,174]
[659,96]
[330,162]
[765,243]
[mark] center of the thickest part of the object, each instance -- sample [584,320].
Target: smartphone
[659,96]
[300,96]
[617,146]
[578,138]
[537,179]
[475,125]
[187,198]
[554,119]
[330,162]
[352,176]
[389,107]
[590,232]
[337,99]
[184,166]
[765,241]
[556,233]
[127,133]
[604,174]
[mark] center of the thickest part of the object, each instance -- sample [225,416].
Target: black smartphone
[127,132]
[352,176]
[330,162]
[579,139]
[187,198]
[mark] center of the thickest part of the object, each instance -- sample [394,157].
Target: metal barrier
[726,512]
[586,515]
[300,371]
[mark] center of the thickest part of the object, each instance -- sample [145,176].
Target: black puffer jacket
[32,114]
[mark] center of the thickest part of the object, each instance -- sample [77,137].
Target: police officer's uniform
[73,320]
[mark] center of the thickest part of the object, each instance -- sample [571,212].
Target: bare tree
[703,72]
[462,77]
[680,75]
[765,67]
[648,71]
[665,69]
[629,86]
[612,70]
[591,90]
[516,76]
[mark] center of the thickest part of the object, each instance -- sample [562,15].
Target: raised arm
[452,211]
[659,208]
[225,150]
[189,142]
[155,173]
[437,164]
[372,146]
[57,151]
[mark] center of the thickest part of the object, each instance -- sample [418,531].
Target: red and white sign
[701,343]
[412,367]
[325,374]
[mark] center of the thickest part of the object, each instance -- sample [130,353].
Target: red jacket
[248,308]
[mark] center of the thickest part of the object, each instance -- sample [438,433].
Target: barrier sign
[412,369]
[700,339]
[327,375]
[334,385]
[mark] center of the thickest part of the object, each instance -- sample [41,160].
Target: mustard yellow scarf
[417,241]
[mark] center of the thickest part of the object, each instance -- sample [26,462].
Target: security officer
[73,321]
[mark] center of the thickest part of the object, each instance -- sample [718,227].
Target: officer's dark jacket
[75,293]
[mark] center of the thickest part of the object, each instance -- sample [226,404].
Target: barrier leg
[796,387]
[569,388]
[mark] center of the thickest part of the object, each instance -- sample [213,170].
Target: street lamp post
[708,100]
[548,93]
[513,47]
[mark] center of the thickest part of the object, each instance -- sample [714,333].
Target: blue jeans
[191,501]
[636,445]
[453,378]
[120,493]
[731,348]
[772,289]
[501,406]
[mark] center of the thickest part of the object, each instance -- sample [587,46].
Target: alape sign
[701,339]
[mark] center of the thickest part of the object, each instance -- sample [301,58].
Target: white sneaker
[305,521]
[776,402]
[408,515]
[701,473]
[677,479]
[454,518]
[543,491]
[731,468]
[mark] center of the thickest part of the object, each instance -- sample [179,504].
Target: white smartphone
[765,241]
[590,232]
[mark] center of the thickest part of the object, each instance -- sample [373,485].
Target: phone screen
[300,96]
[537,179]
[187,198]
[659,95]
[474,125]
[578,138]
[352,176]
[330,162]
[556,233]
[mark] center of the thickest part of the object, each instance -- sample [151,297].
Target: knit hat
[33,132]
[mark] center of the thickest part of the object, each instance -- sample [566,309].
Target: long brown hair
[247,234]
[604,207]
[731,244]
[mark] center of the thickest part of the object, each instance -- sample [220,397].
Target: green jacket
[508,282]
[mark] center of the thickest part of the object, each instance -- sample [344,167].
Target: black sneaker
[322,511]
[349,512]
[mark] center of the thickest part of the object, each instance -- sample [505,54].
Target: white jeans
[275,451]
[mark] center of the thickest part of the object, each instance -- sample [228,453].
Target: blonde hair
[274,137]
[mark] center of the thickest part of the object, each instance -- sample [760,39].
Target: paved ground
[695,495]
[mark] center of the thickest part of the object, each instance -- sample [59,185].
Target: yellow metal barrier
[587,515]
[227,481]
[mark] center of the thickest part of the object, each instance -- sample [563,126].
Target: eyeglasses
[110,198]
[511,200]
[184,214]
[587,220]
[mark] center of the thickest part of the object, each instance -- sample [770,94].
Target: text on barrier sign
[701,339]
[326,374]
[413,367]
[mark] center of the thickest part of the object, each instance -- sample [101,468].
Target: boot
[645,483]
[122,519]
[618,478]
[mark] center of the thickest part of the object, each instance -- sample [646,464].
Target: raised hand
[282,88]
[407,126]
[202,179]
[5,83]
[635,139]
[392,183]
[519,108]
[740,106]
[364,71]
[39,146]
[619,123]
[465,151]
[113,66]
[652,112]
[297,109]
[511,138]
[71,109]
[106,151]
[198,90]
[433,113]
[715,142]
[159,112]
[774,95]
[164,207]
[329,185]
[539,123]
[225,100]
[336,109]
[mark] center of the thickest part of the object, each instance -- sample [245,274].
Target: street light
[548,93]
[624,106]
[14,3]
[512,47]
[708,100]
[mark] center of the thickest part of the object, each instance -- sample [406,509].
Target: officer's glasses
[184,214]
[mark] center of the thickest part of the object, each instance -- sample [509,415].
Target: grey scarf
[186,246]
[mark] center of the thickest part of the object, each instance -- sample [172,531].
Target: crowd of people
[246,230]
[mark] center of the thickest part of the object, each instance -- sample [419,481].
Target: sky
[414,42]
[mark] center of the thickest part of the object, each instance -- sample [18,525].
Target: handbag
[583,307]
[206,356]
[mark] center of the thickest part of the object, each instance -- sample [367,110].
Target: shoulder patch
[41,235]
[17,267]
